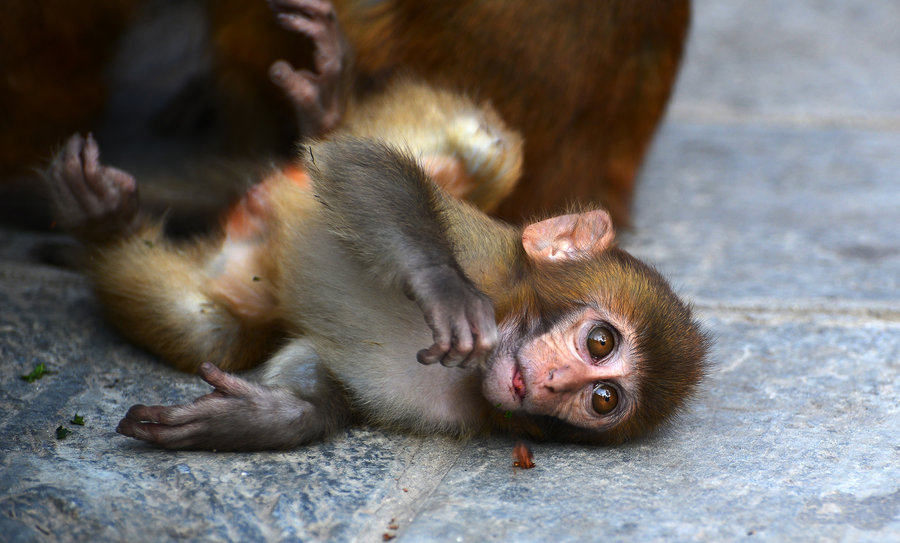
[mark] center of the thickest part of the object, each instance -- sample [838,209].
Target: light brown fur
[216,298]
[340,273]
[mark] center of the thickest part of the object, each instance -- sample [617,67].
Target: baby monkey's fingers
[461,318]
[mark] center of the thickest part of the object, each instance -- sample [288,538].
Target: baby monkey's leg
[295,401]
[179,301]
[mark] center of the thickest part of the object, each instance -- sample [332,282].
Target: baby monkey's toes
[95,202]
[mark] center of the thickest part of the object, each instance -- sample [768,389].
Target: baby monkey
[548,331]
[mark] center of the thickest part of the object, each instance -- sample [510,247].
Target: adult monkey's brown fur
[585,82]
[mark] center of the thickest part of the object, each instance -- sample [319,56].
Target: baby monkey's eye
[600,342]
[604,399]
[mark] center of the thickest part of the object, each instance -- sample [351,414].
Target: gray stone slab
[773,213]
[803,61]
[795,436]
[96,485]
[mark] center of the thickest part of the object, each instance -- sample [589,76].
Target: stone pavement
[771,198]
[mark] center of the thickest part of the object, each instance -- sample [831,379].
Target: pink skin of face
[554,374]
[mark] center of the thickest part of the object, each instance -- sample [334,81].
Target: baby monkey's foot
[95,202]
[237,415]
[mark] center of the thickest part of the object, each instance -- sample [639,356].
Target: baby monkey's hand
[460,316]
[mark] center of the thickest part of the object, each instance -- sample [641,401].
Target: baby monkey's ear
[569,237]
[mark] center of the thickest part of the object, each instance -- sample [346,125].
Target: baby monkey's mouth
[518,384]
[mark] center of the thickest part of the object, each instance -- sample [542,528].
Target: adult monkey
[585,82]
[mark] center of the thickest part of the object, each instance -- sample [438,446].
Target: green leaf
[62,432]
[38,372]
[77,419]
